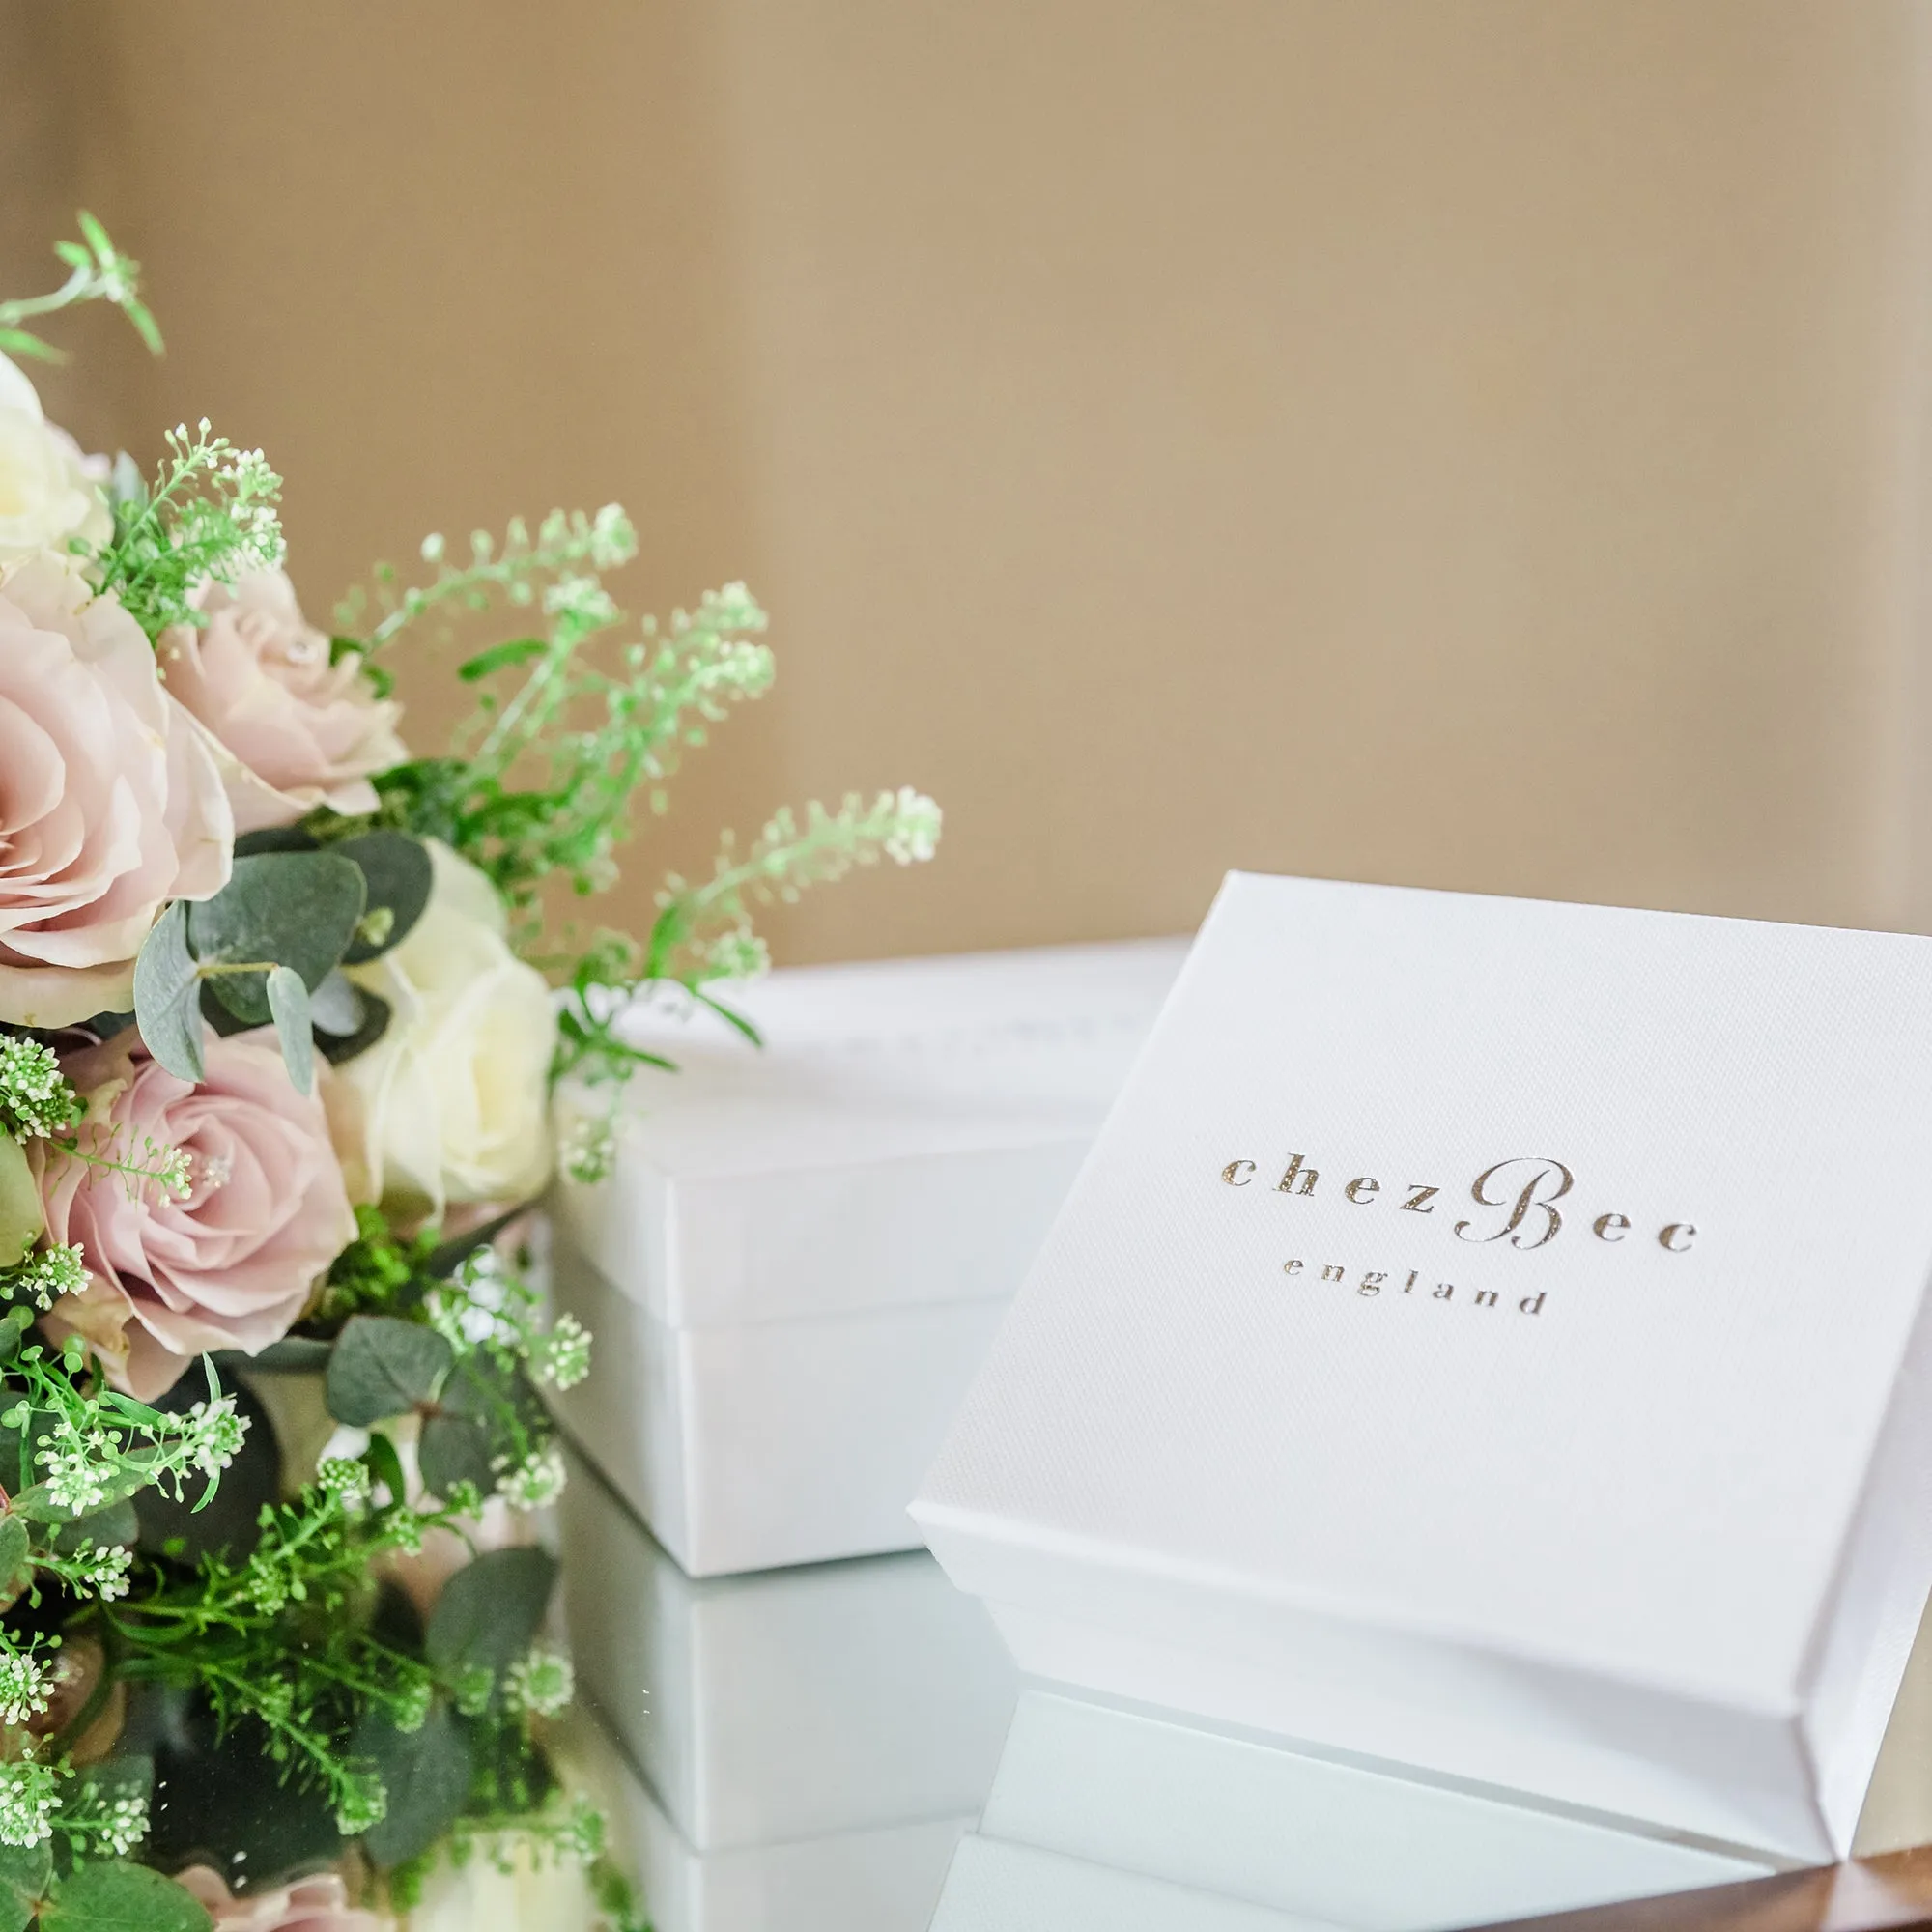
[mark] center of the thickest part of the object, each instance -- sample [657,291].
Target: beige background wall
[1472,443]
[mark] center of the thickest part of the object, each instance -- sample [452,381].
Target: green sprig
[211,517]
[96,272]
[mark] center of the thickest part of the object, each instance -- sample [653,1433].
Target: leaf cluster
[271,946]
[91,1895]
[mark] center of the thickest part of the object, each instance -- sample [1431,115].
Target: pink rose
[303,731]
[317,1904]
[111,801]
[231,1263]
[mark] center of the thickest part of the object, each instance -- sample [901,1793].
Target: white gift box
[1104,1817]
[804,1251]
[1491,1337]
[786,1705]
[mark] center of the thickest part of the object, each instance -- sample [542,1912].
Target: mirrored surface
[846,1747]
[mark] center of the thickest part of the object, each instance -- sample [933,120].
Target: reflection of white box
[883,1880]
[1106,1817]
[804,1251]
[1570,1434]
[789,1705]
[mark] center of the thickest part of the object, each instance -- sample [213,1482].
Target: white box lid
[903,1136]
[1648,1529]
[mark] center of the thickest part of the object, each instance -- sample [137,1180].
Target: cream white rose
[451,1105]
[46,495]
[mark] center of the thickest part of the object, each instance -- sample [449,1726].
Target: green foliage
[383,1367]
[79,1446]
[426,1775]
[293,909]
[376,1272]
[209,518]
[167,1003]
[26,1874]
[96,272]
[704,931]
[112,1895]
[566,733]
[489,1614]
[550,569]
[267,947]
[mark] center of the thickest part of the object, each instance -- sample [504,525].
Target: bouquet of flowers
[284,1009]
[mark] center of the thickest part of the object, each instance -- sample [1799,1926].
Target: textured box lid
[1639,1521]
[904,1135]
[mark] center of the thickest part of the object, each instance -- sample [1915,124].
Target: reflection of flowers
[448,1106]
[229,1263]
[46,495]
[305,731]
[317,1904]
[110,800]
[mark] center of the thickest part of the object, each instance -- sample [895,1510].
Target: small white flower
[536,1481]
[28,1795]
[26,1686]
[125,1825]
[46,1275]
[563,1358]
[33,1090]
[104,1569]
[541,1681]
[343,1477]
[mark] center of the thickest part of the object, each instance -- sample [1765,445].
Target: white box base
[1126,1805]
[771,1444]
[802,1253]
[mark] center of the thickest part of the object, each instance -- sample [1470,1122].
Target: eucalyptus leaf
[426,1774]
[374,1014]
[113,1896]
[275,839]
[490,1609]
[116,1523]
[166,999]
[294,909]
[382,1367]
[288,1001]
[454,1449]
[399,875]
[292,1355]
[25,1872]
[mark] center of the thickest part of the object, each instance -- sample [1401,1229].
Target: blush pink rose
[111,800]
[303,731]
[230,1263]
[317,1904]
